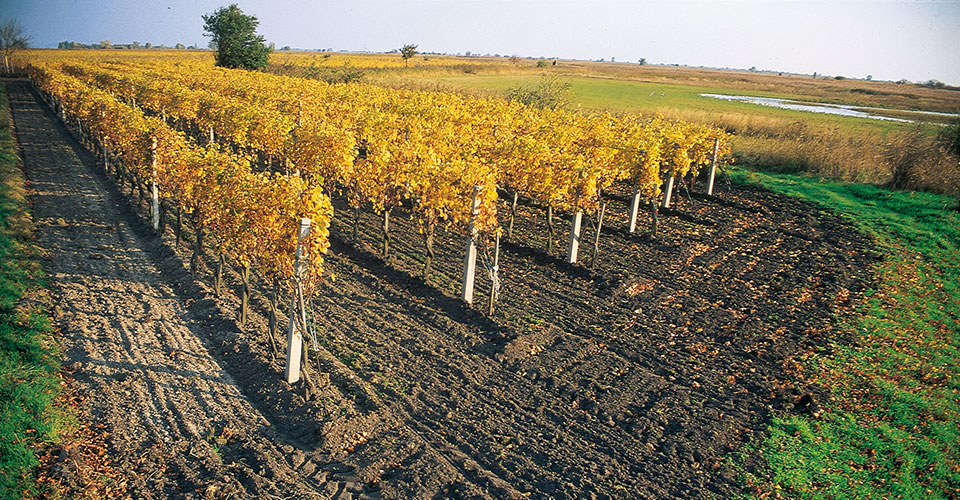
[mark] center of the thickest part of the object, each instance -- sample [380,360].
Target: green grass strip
[892,426]
[29,356]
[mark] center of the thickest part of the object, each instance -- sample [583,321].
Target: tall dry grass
[902,159]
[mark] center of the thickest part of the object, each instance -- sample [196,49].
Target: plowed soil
[632,379]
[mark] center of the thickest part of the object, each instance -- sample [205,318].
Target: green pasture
[650,98]
[892,426]
[29,355]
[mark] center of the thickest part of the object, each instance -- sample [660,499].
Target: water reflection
[832,109]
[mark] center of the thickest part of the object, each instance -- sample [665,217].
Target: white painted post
[294,334]
[470,259]
[154,194]
[634,210]
[103,140]
[713,166]
[574,237]
[669,193]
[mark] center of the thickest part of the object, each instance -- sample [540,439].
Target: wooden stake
[154,194]
[550,229]
[575,227]
[668,193]
[470,259]
[634,210]
[386,232]
[296,332]
[713,166]
[513,215]
[244,292]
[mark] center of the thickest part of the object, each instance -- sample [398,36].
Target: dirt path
[176,421]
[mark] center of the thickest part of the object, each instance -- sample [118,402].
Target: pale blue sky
[916,40]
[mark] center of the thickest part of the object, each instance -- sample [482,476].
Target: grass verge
[891,428]
[29,355]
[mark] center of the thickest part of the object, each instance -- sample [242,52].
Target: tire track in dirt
[175,420]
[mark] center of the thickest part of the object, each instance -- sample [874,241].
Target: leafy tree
[12,39]
[235,35]
[642,61]
[407,52]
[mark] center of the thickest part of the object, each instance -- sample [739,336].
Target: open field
[649,98]
[801,87]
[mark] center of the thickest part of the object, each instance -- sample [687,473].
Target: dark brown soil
[630,380]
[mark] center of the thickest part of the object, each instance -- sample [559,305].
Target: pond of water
[832,109]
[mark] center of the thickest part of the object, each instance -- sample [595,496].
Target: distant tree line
[106,44]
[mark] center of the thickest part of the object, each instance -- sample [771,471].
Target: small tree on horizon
[235,36]
[407,52]
[12,39]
